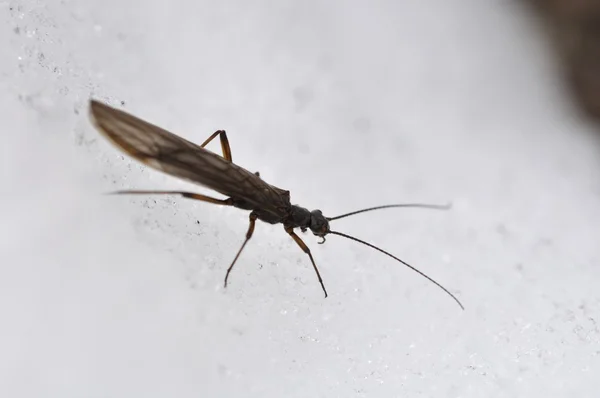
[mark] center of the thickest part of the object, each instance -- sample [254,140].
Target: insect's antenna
[418,205]
[403,262]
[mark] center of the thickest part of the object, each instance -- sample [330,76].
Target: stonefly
[173,155]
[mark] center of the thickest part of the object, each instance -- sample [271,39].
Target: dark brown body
[171,154]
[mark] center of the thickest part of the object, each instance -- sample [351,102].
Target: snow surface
[348,105]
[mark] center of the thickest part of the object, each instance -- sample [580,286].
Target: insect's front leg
[305,249]
[224,143]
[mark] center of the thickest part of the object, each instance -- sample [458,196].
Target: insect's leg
[306,250]
[190,195]
[248,236]
[224,143]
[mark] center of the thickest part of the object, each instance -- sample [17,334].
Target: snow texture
[347,104]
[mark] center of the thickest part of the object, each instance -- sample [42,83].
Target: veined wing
[171,154]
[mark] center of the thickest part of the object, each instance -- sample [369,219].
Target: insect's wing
[169,153]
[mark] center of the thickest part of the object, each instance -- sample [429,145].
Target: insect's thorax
[294,216]
[270,217]
[291,216]
[299,217]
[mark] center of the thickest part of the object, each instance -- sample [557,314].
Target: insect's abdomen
[167,152]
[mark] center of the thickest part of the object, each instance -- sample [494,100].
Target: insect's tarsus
[401,261]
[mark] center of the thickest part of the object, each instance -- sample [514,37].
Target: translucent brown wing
[171,154]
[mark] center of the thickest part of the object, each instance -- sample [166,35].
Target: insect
[173,155]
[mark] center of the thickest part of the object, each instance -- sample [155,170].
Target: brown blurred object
[575,27]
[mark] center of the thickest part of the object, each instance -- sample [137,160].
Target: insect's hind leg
[306,250]
[253,218]
[224,143]
[190,195]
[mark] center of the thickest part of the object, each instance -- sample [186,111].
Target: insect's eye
[316,222]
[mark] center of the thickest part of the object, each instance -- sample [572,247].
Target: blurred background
[491,105]
[574,29]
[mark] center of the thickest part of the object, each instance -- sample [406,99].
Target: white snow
[346,104]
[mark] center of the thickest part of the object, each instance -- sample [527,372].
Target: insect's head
[319,225]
